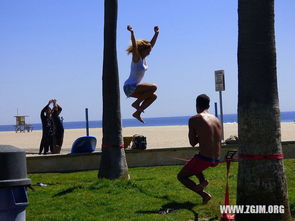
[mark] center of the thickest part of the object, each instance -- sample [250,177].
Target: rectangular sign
[219,80]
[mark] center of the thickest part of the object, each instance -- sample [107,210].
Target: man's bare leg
[202,180]
[183,177]
[206,197]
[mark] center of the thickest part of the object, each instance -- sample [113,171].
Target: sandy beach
[160,136]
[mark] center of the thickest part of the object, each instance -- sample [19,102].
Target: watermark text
[252,209]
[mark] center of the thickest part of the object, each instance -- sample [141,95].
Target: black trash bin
[13,182]
[13,203]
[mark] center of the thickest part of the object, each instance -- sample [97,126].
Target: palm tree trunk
[113,163]
[260,182]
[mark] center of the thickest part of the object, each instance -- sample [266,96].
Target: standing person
[58,125]
[47,129]
[205,129]
[144,92]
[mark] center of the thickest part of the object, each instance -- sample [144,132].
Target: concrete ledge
[63,163]
[135,158]
[289,149]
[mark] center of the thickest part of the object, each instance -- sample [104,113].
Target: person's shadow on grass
[173,207]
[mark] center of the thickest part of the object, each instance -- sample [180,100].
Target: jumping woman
[144,92]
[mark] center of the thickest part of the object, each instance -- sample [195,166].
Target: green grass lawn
[81,196]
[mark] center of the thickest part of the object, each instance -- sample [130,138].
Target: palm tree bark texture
[113,163]
[260,182]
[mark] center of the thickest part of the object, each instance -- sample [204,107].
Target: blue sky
[53,49]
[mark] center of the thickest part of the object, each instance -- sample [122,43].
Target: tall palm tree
[113,160]
[260,182]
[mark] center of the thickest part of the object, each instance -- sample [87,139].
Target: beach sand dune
[160,136]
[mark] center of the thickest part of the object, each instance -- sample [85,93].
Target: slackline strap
[226,197]
[276,156]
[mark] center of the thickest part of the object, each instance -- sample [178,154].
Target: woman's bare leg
[148,101]
[136,115]
[142,92]
[145,97]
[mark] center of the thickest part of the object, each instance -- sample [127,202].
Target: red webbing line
[112,145]
[275,156]
[231,159]
[186,160]
[226,197]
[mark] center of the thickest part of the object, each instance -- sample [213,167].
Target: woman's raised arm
[154,39]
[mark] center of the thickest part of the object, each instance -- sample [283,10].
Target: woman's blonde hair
[141,46]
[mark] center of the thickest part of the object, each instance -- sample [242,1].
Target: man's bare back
[205,129]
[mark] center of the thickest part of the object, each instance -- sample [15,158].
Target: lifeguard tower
[20,124]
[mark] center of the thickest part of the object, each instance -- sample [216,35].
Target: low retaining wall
[135,158]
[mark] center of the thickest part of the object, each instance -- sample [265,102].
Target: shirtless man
[205,129]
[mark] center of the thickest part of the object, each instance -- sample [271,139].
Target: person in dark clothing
[58,125]
[48,131]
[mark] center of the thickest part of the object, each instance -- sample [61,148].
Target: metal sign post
[220,86]
[87,123]
[216,110]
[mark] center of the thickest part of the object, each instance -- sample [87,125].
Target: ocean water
[157,121]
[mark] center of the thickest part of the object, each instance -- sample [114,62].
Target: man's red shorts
[199,163]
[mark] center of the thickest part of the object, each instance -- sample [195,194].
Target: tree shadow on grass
[143,191]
